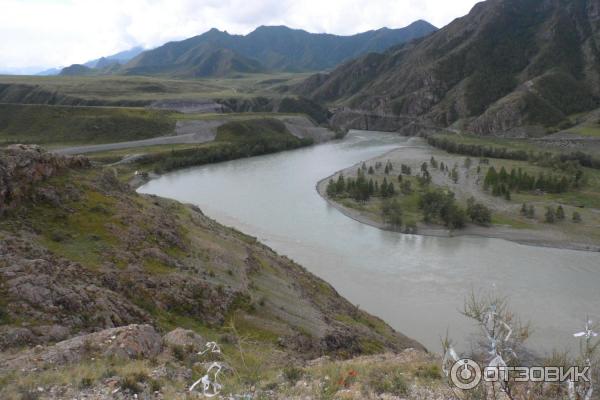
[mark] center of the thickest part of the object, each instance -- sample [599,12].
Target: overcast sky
[50,33]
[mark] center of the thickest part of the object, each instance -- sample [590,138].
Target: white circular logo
[466,374]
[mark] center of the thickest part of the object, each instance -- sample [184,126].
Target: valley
[271,213]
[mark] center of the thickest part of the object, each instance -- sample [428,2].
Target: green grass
[254,130]
[511,144]
[80,125]
[80,235]
[586,130]
[124,89]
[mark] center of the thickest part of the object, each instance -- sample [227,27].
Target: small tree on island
[468,163]
[560,213]
[550,216]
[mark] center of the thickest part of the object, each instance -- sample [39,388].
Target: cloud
[49,33]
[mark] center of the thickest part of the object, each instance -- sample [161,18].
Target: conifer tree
[560,213]
[341,184]
[550,216]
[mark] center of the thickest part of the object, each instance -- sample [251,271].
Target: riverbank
[529,233]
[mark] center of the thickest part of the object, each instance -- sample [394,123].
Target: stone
[184,338]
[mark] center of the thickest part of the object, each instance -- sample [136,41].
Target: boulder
[184,338]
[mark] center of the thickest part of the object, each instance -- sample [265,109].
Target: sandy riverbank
[417,153]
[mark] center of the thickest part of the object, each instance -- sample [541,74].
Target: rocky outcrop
[47,290]
[345,119]
[185,339]
[22,167]
[126,342]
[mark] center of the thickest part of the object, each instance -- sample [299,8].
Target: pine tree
[406,187]
[550,216]
[524,210]
[384,190]
[433,162]
[491,179]
[468,163]
[341,184]
[560,213]
[331,188]
[371,170]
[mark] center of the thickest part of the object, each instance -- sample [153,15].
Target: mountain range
[266,49]
[508,64]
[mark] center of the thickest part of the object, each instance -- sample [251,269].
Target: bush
[389,382]
[478,213]
[133,382]
[550,216]
[178,352]
[431,371]
[292,374]
[439,205]
[86,382]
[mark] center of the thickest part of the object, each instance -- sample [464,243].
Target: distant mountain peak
[506,65]
[267,48]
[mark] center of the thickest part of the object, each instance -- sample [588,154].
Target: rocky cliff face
[22,167]
[507,64]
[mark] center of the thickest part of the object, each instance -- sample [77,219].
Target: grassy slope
[80,125]
[106,229]
[112,88]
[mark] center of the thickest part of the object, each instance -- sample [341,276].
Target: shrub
[178,352]
[86,382]
[133,381]
[388,381]
[292,374]
[431,371]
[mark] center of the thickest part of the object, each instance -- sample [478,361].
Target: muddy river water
[417,284]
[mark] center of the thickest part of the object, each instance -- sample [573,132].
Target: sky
[39,34]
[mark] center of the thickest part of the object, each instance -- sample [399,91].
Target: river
[417,284]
